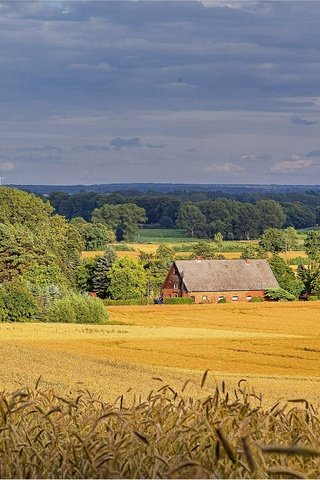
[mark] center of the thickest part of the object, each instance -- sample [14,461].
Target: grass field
[165,235]
[276,347]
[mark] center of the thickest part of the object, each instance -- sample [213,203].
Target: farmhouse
[213,281]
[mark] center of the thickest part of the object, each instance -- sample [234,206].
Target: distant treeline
[202,214]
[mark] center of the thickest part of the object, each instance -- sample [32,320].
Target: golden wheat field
[152,247]
[276,347]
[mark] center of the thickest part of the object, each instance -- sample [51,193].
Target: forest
[237,216]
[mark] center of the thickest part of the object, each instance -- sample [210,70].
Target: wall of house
[213,297]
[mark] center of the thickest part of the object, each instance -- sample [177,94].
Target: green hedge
[178,300]
[109,301]
[77,308]
[257,299]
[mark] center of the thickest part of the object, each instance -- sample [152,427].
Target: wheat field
[275,347]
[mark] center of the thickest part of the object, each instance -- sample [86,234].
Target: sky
[160,91]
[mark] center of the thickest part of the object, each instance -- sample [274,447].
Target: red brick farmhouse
[211,281]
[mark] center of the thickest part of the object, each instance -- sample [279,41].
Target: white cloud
[294,164]
[223,168]
[7,166]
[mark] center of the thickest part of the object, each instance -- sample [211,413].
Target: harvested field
[276,347]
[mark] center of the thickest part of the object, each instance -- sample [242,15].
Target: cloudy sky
[160,91]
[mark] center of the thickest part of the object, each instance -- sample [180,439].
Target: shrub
[122,247]
[17,303]
[256,299]
[77,308]
[109,301]
[279,295]
[298,261]
[313,298]
[178,300]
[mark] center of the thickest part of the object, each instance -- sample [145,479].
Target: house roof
[226,275]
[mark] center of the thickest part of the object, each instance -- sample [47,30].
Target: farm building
[211,281]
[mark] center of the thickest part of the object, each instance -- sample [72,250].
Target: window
[235,298]
[193,298]
[221,299]
[248,298]
[204,297]
[175,286]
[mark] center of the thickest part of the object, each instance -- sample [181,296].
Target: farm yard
[275,347]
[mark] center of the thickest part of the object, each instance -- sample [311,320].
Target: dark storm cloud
[110,83]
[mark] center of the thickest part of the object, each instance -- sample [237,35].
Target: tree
[299,215]
[191,219]
[246,224]
[285,276]
[100,279]
[31,235]
[95,235]
[205,250]
[157,266]
[127,279]
[312,244]
[126,217]
[218,240]
[85,274]
[17,303]
[291,238]
[273,240]
[271,214]
[254,252]
[19,251]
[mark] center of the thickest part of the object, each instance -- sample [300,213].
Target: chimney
[198,259]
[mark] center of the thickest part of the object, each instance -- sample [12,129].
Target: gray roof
[226,275]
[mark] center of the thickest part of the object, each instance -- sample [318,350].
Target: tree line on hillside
[243,217]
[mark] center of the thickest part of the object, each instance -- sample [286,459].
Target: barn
[214,281]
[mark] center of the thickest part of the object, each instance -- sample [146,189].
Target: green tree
[157,266]
[312,244]
[271,214]
[191,219]
[19,251]
[85,274]
[285,276]
[21,208]
[218,240]
[273,240]
[126,217]
[128,279]
[30,234]
[246,222]
[96,236]
[17,303]
[291,238]
[254,252]
[100,279]
[205,250]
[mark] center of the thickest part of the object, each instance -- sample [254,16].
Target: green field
[167,235]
